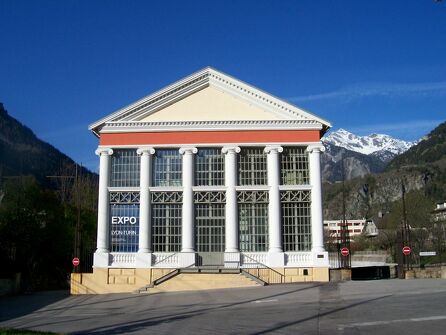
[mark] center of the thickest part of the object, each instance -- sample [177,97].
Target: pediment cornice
[198,81]
[161,126]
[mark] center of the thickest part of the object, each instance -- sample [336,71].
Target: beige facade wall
[210,104]
[104,280]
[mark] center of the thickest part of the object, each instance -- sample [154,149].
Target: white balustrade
[123,259]
[254,259]
[299,258]
[166,260]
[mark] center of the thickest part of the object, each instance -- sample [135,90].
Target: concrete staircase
[192,279]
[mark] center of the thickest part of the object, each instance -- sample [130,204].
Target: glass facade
[253,219]
[209,205]
[167,167]
[166,227]
[252,166]
[296,220]
[210,227]
[125,168]
[294,166]
[209,167]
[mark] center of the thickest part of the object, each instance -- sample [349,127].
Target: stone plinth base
[120,280]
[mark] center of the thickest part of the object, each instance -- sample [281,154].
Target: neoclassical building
[208,172]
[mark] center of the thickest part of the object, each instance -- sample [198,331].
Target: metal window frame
[167,168]
[253,220]
[209,227]
[296,220]
[252,166]
[209,167]
[294,166]
[125,168]
[166,227]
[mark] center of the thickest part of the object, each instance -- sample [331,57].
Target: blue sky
[366,66]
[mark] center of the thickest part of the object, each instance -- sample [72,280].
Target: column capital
[319,147]
[188,150]
[230,149]
[104,151]
[145,151]
[273,149]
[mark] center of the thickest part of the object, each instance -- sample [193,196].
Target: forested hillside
[22,153]
[44,221]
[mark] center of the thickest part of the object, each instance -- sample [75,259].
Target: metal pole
[345,237]
[406,240]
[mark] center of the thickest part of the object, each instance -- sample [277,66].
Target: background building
[208,172]
[355,228]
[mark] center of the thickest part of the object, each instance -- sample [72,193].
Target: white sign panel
[428,253]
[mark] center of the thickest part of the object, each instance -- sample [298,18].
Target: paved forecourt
[364,307]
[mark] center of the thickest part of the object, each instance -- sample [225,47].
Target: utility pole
[77,229]
[406,229]
[344,241]
[403,260]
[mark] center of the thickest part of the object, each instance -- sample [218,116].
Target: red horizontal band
[210,137]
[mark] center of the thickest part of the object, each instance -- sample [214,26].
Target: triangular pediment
[208,95]
[210,104]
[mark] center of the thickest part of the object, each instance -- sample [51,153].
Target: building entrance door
[210,234]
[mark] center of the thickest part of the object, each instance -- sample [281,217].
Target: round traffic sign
[345,252]
[75,261]
[407,251]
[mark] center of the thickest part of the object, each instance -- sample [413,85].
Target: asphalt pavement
[358,307]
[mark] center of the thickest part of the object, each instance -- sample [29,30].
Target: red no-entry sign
[407,251]
[75,261]
[345,252]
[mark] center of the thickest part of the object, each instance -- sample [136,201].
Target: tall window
[124,168]
[210,227]
[296,220]
[294,166]
[210,221]
[253,219]
[252,166]
[167,168]
[209,167]
[166,228]
[124,227]
[166,221]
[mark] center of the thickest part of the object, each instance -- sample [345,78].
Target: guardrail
[261,270]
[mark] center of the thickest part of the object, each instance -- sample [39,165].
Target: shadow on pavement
[12,307]
[146,323]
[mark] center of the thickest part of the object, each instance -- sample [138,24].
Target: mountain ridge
[23,153]
[361,155]
[376,144]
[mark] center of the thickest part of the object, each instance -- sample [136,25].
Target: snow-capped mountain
[376,144]
[361,154]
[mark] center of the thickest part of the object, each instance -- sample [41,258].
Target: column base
[320,259]
[186,259]
[101,259]
[232,259]
[276,259]
[143,259]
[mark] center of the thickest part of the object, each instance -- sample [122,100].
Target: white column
[231,219]
[274,210]
[144,200]
[187,236]
[317,224]
[102,244]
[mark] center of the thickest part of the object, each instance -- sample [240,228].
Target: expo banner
[124,228]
